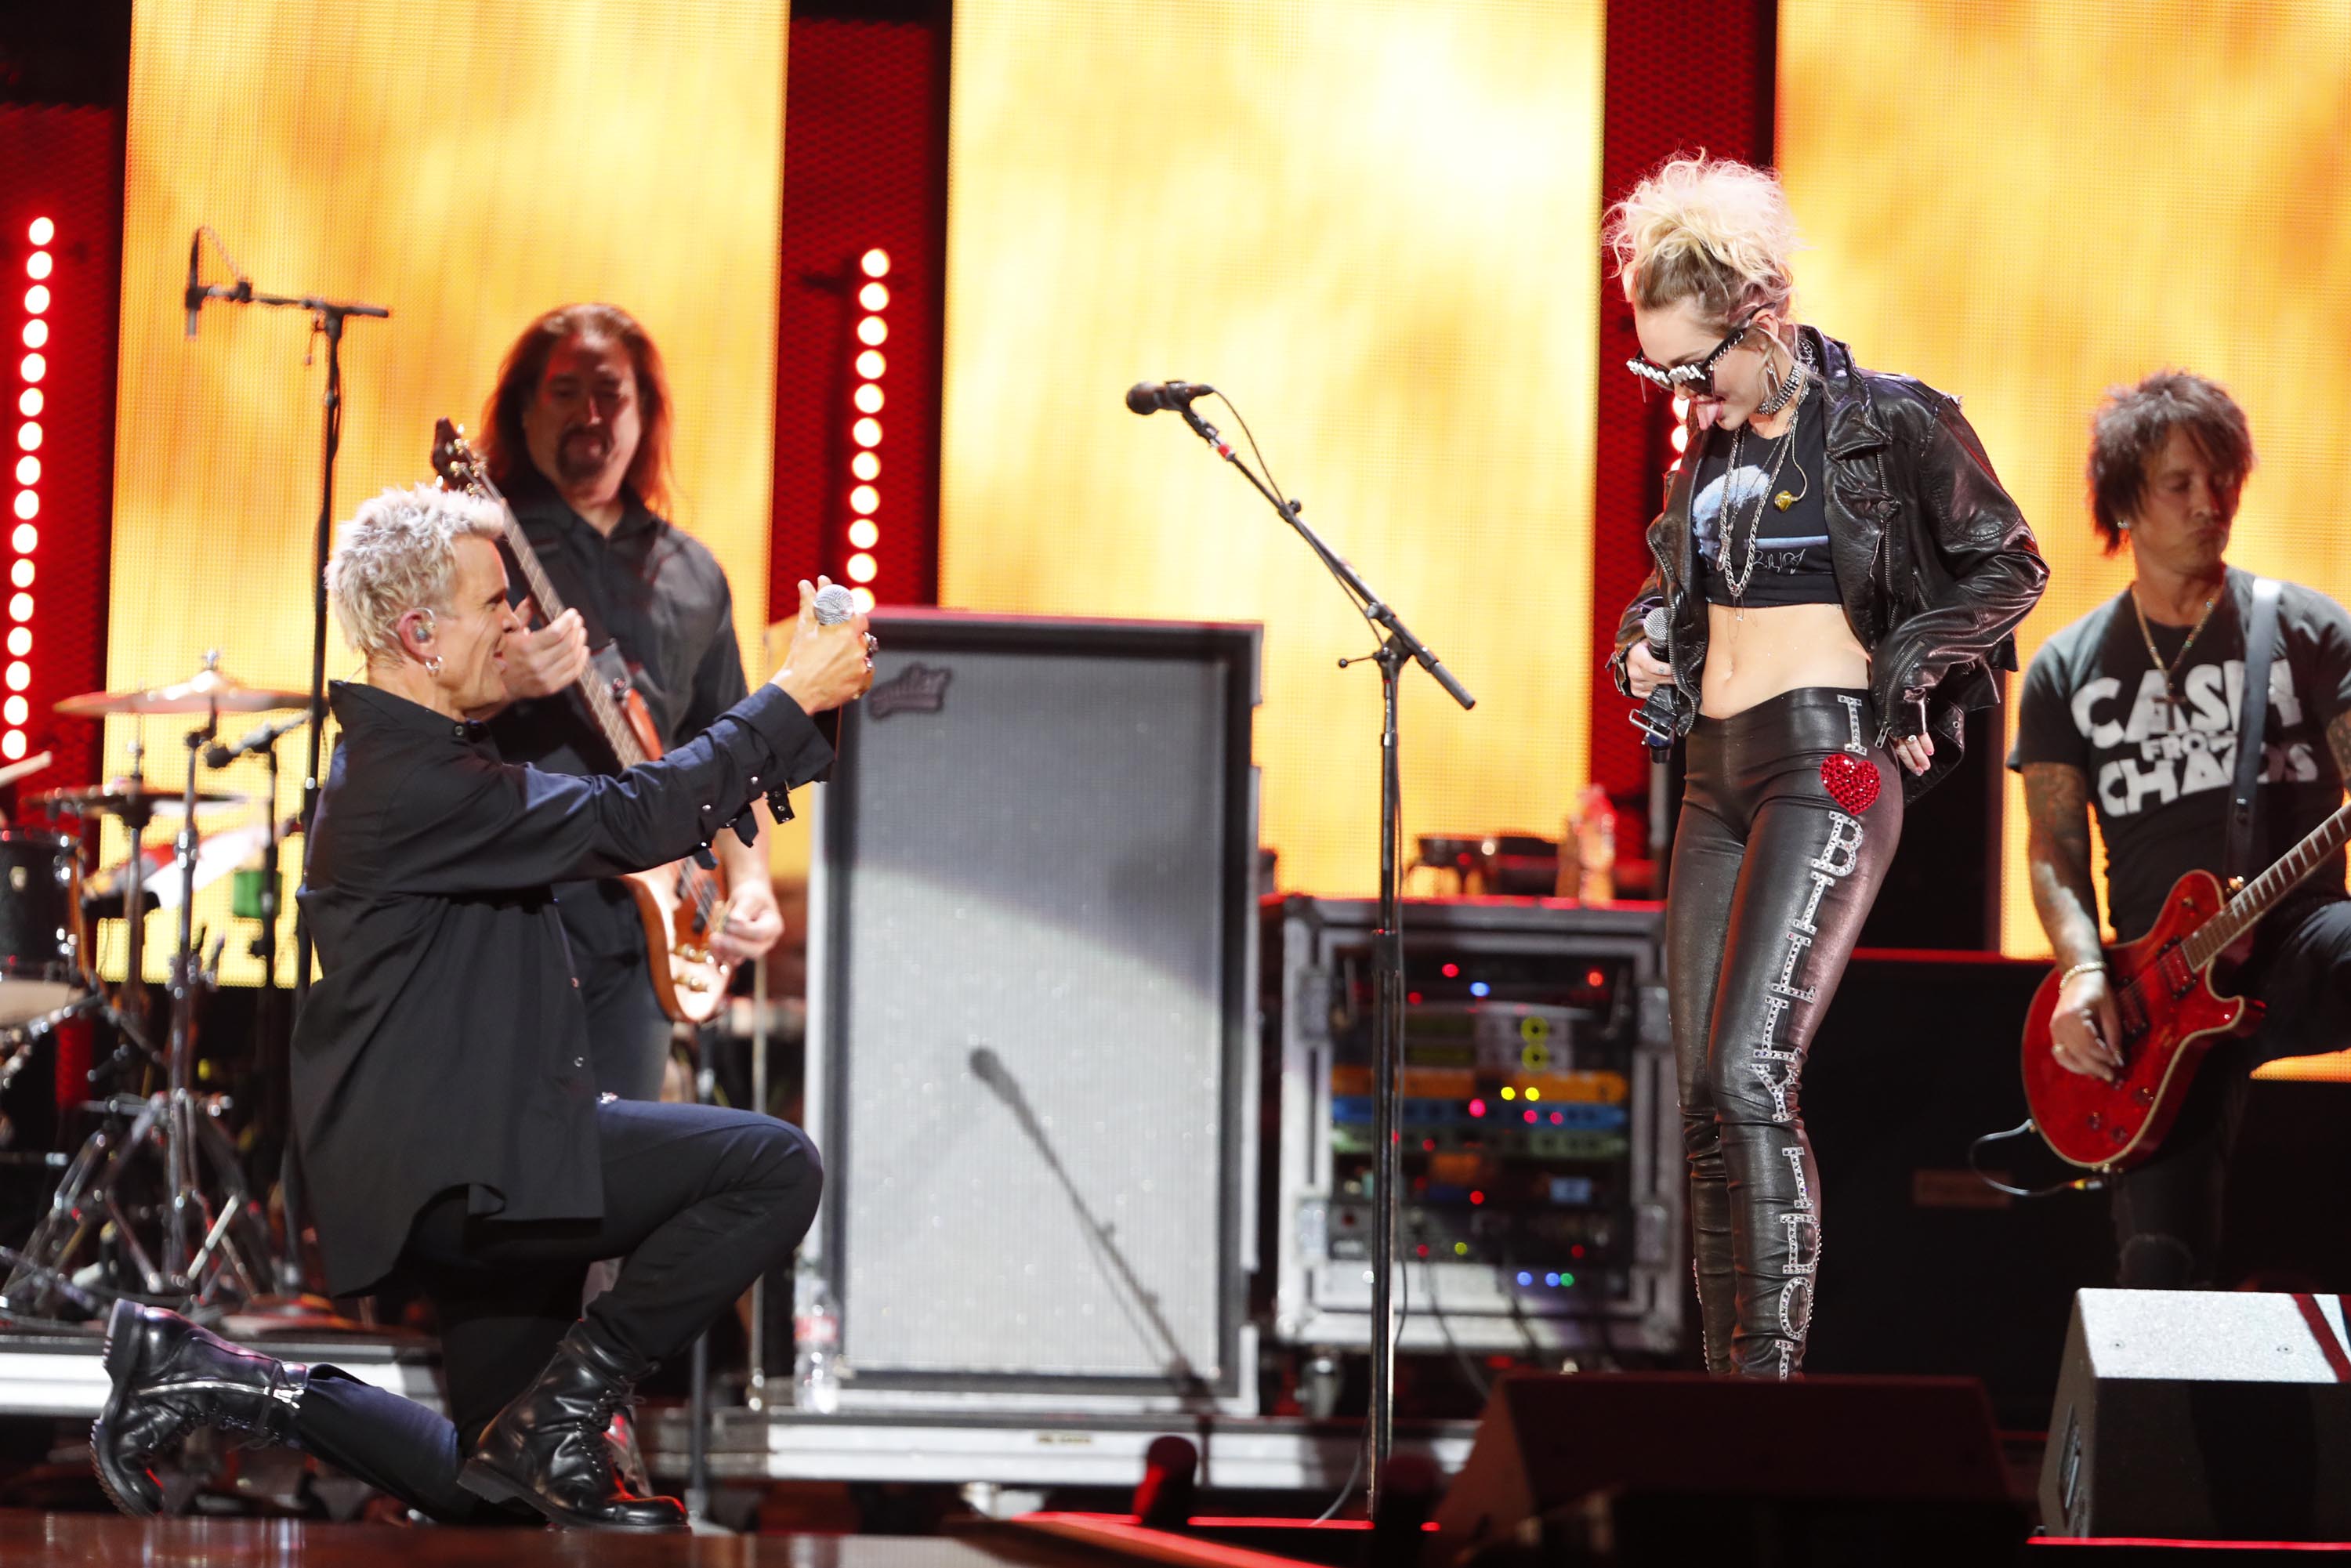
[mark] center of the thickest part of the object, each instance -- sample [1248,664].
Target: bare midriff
[1756,658]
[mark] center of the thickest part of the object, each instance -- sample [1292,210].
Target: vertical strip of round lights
[865,462]
[24,504]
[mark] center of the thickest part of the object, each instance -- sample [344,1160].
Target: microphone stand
[327,317]
[1396,646]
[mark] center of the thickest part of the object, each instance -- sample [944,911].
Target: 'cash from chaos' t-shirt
[2160,776]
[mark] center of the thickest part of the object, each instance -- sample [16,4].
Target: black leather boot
[547,1450]
[171,1377]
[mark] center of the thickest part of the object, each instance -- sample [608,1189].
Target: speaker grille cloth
[1036,874]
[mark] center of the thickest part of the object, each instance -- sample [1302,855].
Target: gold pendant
[1783,500]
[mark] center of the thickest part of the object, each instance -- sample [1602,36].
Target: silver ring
[873,644]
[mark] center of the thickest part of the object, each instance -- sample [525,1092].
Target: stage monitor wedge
[1032,993]
[1670,1468]
[2201,1415]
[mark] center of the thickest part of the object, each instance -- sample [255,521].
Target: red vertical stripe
[2330,1343]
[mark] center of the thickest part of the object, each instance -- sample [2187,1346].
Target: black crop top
[1792,562]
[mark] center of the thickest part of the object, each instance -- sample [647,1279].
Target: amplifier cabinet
[1030,989]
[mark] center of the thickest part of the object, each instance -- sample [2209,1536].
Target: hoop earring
[433,665]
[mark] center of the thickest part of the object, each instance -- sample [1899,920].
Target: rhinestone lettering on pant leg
[1852,725]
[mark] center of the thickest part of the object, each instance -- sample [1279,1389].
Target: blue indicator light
[1525,1278]
[1551,1280]
[1478,987]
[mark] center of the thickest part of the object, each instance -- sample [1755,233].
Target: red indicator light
[1413,998]
[1428,1145]
[1422,1250]
[1452,971]
[1558,1120]
[1476,1107]
[1477,1197]
[1576,1250]
[1531,1116]
[1596,979]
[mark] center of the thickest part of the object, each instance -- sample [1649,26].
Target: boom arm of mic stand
[1375,608]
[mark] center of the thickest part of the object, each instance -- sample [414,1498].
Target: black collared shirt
[657,593]
[444,1043]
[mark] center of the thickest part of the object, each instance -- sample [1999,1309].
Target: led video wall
[1371,223]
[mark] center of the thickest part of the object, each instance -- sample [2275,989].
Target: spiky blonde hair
[1710,230]
[398,554]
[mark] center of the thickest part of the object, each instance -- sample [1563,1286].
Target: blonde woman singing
[1841,571]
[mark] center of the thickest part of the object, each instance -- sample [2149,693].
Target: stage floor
[105,1541]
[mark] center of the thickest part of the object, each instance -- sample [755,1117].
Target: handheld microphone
[834,604]
[1150,397]
[194,298]
[1659,717]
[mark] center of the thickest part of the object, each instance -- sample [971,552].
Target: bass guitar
[682,905]
[2170,1010]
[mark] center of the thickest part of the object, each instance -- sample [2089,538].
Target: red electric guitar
[2170,1013]
[682,905]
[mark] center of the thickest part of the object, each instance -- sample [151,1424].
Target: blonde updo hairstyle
[1709,230]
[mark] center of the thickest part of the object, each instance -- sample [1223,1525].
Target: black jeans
[698,1200]
[2168,1212]
[628,1033]
[1787,825]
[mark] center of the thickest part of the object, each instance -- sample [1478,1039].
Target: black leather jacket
[1934,563]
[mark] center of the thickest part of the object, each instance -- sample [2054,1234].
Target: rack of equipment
[1542,1208]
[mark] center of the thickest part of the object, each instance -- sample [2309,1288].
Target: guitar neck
[2258,896]
[601,704]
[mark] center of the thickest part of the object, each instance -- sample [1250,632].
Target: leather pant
[1773,874]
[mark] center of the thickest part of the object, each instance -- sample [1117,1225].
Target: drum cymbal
[130,796]
[209,691]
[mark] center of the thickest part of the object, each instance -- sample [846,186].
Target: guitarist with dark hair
[576,434]
[2133,712]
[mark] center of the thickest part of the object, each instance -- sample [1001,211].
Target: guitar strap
[2253,712]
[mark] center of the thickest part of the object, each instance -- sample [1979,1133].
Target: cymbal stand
[179,1056]
[205,1256]
[132,1000]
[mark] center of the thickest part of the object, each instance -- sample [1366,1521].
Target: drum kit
[155,1204]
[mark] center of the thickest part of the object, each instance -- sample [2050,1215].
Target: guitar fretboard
[616,731]
[2257,897]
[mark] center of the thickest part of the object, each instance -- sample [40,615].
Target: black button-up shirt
[444,1043]
[657,593]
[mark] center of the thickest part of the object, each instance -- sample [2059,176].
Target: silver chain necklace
[1739,579]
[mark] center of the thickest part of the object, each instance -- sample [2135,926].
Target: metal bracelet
[2084,968]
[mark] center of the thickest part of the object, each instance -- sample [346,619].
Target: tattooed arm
[2057,848]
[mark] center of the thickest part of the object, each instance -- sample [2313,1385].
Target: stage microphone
[1150,397]
[260,738]
[194,298]
[834,604]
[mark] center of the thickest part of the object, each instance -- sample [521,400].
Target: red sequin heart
[1852,781]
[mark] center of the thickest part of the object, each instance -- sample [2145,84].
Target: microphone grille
[834,605]
[1657,625]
